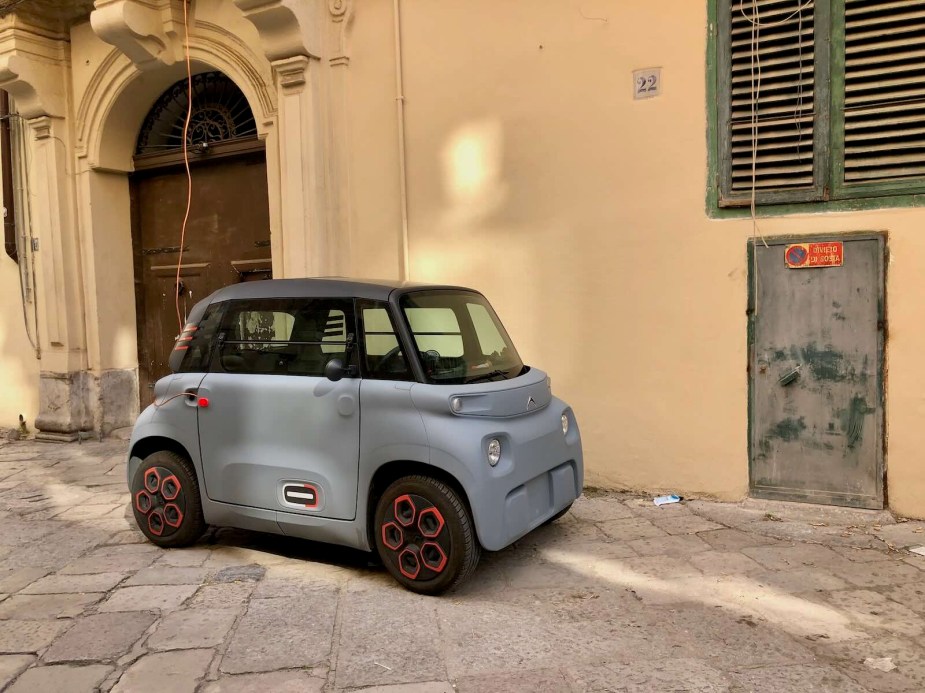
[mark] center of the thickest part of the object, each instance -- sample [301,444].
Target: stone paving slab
[11,666]
[111,562]
[542,680]
[63,677]
[21,637]
[800,677]
[177,672]
[193,628]
[372,652]
[73,584]
[168,575]
[100,638]
[39,607]
[283,633]
[429,687]
[881,664]
[13,580]
[148,598]
[902,535]
[682,674]
[292,681]
[617,595]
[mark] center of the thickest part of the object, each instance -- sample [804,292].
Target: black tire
[432,557]
[166,501]
[559,514]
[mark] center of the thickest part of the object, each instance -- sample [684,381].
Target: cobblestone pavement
[619,595]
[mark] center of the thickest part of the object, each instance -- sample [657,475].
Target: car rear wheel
[425,535]
[165,500]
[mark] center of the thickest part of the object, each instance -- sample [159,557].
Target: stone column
[341,18]
[306,249]
[294,34]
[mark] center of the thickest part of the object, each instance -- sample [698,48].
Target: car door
[277,434]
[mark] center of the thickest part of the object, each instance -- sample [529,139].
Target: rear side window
[201,339]
[285,336]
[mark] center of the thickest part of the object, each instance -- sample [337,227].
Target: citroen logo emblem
[531,404]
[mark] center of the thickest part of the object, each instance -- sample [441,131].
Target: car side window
[382,355]
[436,329]
[285,336]
[199,351]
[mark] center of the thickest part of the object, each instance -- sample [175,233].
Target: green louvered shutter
[884,91]
[782,54]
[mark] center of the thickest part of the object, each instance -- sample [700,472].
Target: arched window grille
[220,114]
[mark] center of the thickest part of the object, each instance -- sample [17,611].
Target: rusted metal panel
[816,375]
[229,226]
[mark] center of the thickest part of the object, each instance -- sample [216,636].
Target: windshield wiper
[486,376]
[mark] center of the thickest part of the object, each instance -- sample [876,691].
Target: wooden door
[227,241]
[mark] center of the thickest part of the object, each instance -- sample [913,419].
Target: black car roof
[323,287]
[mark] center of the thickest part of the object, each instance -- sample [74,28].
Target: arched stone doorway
[228,231]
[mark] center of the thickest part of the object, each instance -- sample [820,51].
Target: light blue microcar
[369,414]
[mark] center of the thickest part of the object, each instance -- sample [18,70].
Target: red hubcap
[160,503]
[414,534]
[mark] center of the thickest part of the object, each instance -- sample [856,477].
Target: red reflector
[203,402]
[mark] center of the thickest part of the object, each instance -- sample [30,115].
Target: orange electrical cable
[189,178]
[189,184]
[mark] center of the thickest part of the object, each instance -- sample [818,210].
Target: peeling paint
[854,430]
[815,444]
[787,429]
[826,364]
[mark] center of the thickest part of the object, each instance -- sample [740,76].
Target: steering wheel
[388,356]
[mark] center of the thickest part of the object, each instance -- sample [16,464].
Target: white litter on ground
[664,500]
[880,663]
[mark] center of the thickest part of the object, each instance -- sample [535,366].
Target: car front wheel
[425,535]
[165,500]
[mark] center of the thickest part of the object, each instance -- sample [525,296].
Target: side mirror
[334,370]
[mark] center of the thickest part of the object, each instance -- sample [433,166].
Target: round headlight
[564,424]
[494,451]
[456,404]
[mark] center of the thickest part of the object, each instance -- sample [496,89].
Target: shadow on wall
[19,369]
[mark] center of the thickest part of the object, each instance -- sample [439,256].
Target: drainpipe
[402,174]
[6,171]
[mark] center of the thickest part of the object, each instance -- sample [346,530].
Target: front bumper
[541,472]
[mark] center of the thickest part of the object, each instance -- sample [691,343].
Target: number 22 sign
[647,83]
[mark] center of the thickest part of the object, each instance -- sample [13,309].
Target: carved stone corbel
[287,27]
[31,71]
[341,16]
[149,32]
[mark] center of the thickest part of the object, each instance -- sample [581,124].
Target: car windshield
[459,338]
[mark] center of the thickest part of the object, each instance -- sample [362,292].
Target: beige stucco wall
[534,176]
[19,369]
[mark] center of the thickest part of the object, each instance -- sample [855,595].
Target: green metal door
[816,322]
